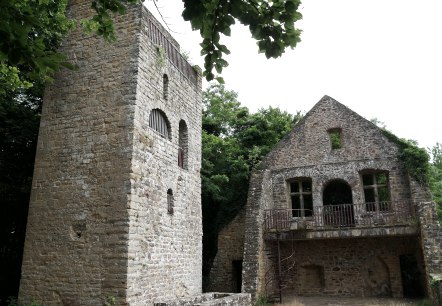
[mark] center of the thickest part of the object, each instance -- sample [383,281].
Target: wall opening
[236,275]
[165,87]
[169,201]
[158,122]
[335,136]
[411,277]
[337,200]
[183,146]
[301,197]
[376,190]
[378,278]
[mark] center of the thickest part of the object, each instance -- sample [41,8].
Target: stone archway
[337,203]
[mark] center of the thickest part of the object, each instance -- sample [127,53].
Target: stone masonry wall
[431,238]
[254,268]
[230,248]
[365,267]
[98,224]
[76,241]
[165,249]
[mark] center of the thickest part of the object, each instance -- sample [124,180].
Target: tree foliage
[271,23]
[435,177]
[234,142]
[19,122]
[31,31]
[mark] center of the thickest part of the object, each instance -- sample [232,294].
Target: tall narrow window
[183,145]
[165,87]
[169,201]
[301,197]
[335,136]
[158,121]
[376,191]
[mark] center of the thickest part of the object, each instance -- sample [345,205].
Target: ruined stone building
[332,210]
[115,209]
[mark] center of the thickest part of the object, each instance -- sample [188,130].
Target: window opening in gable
[158,121]
[335,136]
[183,146]
[376,191]
[169,201]
[301,197]
[165,87]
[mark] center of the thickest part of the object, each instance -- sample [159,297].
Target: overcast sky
[382,59]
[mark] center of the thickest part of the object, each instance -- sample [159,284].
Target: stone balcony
[342,221]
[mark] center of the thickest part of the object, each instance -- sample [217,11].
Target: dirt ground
[343,301]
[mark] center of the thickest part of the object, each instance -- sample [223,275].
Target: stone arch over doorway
[337,201]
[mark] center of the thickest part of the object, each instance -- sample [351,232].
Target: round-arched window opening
[337,202]
[158,121]
[337,192]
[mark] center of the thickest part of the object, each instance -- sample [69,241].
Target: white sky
[381,58]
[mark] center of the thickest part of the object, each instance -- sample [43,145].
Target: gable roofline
[324,100]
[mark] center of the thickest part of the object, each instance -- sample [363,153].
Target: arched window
[165,87]
[169,201]
[183,145]
[337,201]
[158,121]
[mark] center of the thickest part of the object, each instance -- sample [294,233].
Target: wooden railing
[341,216]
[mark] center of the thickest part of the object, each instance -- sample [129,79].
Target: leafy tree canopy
[234,142]
[271,23]
[31,31]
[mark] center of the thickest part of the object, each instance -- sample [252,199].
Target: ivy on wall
[415,159]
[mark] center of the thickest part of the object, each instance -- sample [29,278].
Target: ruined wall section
[76,242]
[165,248]
[431,243]
[255,263]
[230,248]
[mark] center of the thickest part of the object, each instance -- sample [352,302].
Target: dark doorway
[411,277]
[236,275]
[337,200]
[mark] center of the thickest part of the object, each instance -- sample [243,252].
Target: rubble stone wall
[365,267]
[230,248]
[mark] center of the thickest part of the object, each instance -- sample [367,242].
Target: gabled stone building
[333,211]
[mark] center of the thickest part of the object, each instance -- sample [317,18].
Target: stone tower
[115,210]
